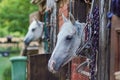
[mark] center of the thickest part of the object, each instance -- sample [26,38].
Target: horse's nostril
[51,65]
[26,42]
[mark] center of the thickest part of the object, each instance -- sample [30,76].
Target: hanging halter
[70,8]
[87,30]
[88,43]
[46,32]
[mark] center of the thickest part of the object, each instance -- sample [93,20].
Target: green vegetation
[4,63]
[14,17]
[5,66]
[7,72]
[14,21]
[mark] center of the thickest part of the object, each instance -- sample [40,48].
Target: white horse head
[35,32]
[69,39]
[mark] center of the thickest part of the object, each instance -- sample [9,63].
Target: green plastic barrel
[19,67]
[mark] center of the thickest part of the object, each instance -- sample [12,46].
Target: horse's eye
[69,37]
[33,30]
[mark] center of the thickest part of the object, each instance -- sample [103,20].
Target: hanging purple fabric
[115,7]
[115,10]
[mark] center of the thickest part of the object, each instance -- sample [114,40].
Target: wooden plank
[80,10]
[38,67]
[38,70]
[103,57]
[37,1]
[117,75]
[115,47]
[32,50]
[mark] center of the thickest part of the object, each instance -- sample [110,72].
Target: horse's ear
[64,18]
[72,19]
[35,19]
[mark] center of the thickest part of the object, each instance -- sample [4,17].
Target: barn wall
[74,74]
[115,47]
[103,56]
[37,64]
[38,69]
[70,71]
[63,7]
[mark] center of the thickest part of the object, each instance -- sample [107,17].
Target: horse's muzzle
[51,66]
[27,41]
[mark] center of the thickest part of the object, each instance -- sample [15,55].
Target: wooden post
[115,48]
[103,57]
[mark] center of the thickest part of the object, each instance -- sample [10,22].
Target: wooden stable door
[37,68]
[115,47]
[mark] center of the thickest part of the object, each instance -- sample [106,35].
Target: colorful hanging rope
[95,43]
[46,32]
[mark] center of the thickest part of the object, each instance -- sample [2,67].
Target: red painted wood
[63,10]
[74,74]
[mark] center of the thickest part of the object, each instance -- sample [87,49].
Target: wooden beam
[38,2]
[103,57]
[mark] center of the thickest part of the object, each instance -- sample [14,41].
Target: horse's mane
[79,26]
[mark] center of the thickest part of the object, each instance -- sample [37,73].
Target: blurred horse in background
[35,32]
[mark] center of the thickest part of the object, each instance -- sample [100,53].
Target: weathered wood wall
[38,70]
[63,7]
[115,47]
[37,64]
[79,10]
[104,55]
